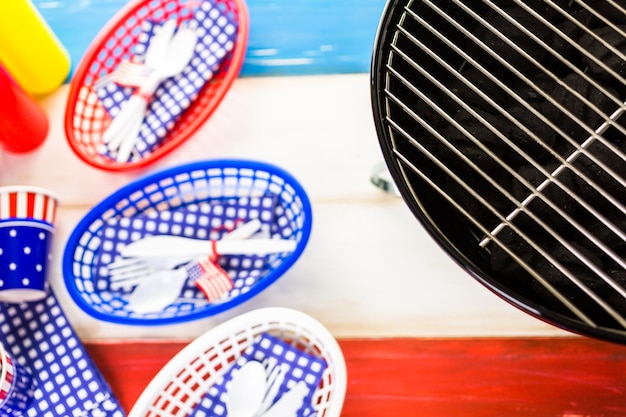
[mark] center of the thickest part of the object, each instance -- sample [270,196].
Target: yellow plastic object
[29,49]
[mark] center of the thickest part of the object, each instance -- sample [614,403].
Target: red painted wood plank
[566,377]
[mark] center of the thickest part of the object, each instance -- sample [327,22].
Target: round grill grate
[502,125]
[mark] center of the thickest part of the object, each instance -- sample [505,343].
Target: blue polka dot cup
[17,389]
[26,230]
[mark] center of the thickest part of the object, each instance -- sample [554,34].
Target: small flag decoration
[210,278]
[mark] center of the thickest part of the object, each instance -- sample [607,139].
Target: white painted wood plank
[370,269]
[320,129]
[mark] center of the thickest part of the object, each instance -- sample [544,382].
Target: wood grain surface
[286,37]
[433,342]
[478,377]
[369,269]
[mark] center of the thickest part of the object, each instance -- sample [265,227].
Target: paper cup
[16,386]
[27,217]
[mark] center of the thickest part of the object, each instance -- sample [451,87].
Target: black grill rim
[385,33]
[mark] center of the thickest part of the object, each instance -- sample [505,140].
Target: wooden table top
[478,377]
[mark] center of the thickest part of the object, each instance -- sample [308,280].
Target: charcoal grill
[502,125]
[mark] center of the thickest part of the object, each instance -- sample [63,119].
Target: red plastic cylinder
[23,123]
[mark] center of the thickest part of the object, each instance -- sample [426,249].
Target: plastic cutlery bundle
[162,288]
[167,56]
[113,65]
[289,404]
[246,390]
[291,379]
[163,245]
[155,53]
[254,388]
[131,271]
[160,280]
[145,99]
[274,382]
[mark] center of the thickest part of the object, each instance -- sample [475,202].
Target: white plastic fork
[289,404]
[177,56]
[126,272]
[155,54]
[274,382]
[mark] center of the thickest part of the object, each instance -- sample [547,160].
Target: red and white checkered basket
[181,384]
[85,117]
[16,386]
[7,372]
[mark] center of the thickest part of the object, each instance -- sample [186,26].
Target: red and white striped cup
[17,389]
[27,216]
[24,202]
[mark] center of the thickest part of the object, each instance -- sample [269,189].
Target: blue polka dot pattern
[24,253]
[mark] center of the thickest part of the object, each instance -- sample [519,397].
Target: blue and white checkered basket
[200,200]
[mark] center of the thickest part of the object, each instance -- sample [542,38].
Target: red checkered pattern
[7,377]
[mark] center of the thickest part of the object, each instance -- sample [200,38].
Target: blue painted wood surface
[287,37]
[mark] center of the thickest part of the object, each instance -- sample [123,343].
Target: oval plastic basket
[186,187]
[85,117]
[180,385]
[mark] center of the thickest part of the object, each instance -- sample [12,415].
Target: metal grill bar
[586,29]
[558,55]
[572,67]
[469,189]
[532,36]
[581,150]
[536,192]
[552,177]
[442,44]
[617,258]
[572,116]
[477,223]
[611,119]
